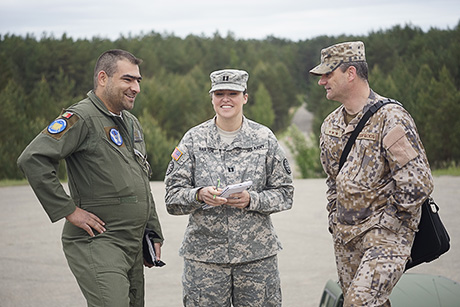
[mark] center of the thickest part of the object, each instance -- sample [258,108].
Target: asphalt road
[34,271]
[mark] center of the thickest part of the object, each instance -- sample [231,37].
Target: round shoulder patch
[57,126]
[170,168]
[115,136]
[286,166]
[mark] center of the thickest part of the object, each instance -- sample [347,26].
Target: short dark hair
[108,62]
[362,69]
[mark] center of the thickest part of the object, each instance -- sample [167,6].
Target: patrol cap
[229,79]
[333,56]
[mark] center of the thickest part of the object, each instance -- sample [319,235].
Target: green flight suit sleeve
[40,161]
[154,222]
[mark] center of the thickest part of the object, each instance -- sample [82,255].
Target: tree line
[41,76]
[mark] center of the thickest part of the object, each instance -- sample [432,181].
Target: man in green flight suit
[110,203]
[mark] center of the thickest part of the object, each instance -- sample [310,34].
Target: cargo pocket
[192,298]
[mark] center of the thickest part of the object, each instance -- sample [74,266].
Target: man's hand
[157,247]
[86,220]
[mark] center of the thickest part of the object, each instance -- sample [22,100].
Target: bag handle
[372,110]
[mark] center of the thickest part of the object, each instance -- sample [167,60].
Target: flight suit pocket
[107,201]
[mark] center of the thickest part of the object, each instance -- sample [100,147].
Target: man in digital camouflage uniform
[374,201]
[230,245]
[111,203]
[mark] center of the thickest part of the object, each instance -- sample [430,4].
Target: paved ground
[34,272]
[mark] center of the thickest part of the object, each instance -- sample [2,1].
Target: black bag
[432,239]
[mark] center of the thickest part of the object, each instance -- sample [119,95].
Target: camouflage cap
[229,79]
[333,56]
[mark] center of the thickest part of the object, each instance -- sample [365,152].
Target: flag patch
[176,154]
[67,115]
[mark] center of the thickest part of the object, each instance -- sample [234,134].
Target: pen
[218,186]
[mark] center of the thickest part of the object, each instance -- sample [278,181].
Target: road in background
[34,271]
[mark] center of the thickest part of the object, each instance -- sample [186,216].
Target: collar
[243,139]
[100,105]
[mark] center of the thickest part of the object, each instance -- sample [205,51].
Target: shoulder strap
[374,108]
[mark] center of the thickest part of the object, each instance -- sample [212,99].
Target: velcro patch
[399,146]
[367,136]
[137,136]
[176,154]
[61,125]
[334,132]
[286,166]
[67,115]
[114,135]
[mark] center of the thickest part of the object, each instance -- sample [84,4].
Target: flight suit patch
[114,135]
[67,115]
[137,136]
[57,126]
[61,125]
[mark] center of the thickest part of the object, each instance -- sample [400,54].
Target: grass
[450,171]
[10,183]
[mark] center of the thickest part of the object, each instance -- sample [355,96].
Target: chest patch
[115,136]
[333,132]
[137,136]
[367,136]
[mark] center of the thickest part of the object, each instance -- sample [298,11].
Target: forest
[41,76]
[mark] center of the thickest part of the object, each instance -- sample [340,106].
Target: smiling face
[119,91]
[228,104]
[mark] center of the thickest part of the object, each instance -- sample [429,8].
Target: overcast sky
[246,19]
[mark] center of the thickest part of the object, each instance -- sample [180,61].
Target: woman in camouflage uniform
[230,245]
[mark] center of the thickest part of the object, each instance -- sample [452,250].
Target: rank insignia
[333,132]
[57,126]
[115,136]
[176,154]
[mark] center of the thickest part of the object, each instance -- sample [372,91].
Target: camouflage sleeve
[180,197]
[408,163]
[277,195]
[331,192]
[330,167]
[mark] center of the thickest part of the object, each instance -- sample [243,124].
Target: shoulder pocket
[397,143]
